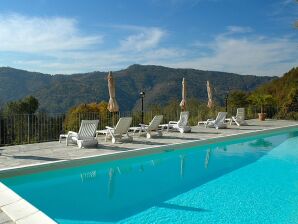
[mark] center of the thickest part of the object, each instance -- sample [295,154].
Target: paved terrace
[29,154]
[4,219]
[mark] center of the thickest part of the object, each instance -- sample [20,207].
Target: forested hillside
[285,92]
[58,93]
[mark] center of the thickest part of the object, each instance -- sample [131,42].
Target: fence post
[28,120]
[0,130]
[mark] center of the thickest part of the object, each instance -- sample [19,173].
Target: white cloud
[57,45]
[238,29]
[74,62]
[247,55]
[146,38]
[19,33]
[287,2]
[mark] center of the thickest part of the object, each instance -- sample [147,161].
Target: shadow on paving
[251,129]
[205,132]
[182,138]
[120,147]
[36,158]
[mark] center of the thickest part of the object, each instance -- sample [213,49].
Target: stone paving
[31,154]
[4,219]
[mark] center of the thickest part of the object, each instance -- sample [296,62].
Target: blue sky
[63,36]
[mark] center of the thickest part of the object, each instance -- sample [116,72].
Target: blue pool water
[250,180]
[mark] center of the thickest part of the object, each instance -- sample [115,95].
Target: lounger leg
[80,144]
[237,122]
[148,135]
[113,137]
[129,137]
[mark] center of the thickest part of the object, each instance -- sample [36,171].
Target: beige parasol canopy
[113,105]
[209,92]
[183,101]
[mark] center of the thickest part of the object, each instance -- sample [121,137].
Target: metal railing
[30,128]
[43,127]
[34,128]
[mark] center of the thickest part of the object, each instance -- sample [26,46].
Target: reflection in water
[152,162]
[88,175]
[141,169]
[111,185]
[182,162]
[208,152]
[261,143]
[118,169]
[293,134]
[155,162]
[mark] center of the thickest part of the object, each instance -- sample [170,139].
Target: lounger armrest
[209,121]
[72,134]
[173,122]
[107,127]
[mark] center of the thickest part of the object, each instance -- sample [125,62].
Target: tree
[238,99]
[285,93]
[86,111]
[261,100]
[28,105]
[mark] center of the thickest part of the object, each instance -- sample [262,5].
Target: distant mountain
[58,93]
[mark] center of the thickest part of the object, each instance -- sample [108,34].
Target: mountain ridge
[58,93]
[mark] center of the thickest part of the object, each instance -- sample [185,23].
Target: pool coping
[22,212]
[19,210]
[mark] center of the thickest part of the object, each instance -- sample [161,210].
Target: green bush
[86,112]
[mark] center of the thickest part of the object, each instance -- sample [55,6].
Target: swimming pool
[247,180]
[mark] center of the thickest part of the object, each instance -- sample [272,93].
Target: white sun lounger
[239,119]
[219,122]
[181,125]
[85,136]
[148,129]
[120,129]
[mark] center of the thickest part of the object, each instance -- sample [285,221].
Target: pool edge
[19,210]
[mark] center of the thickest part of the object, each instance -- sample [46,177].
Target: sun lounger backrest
[240,114]
[221,117]
[123,125]
[155,123]
[88,128]
[183,121]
